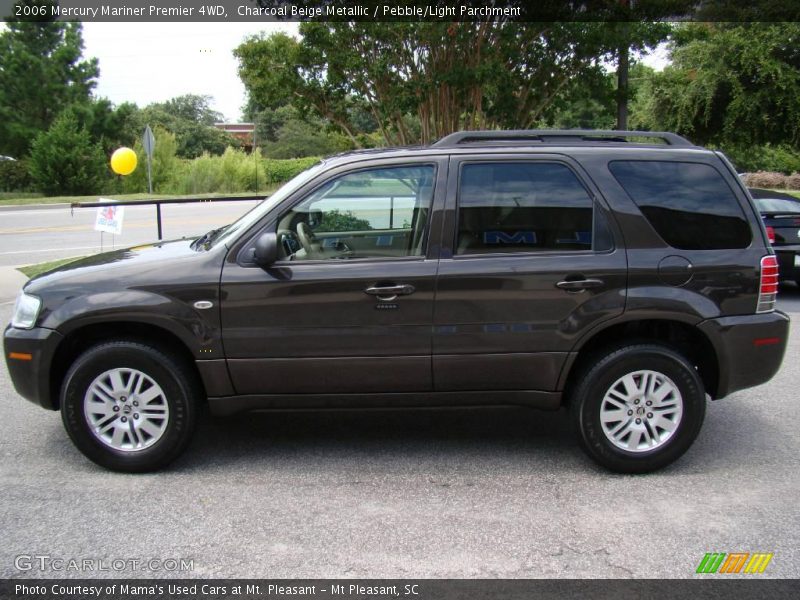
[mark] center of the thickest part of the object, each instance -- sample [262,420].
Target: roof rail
[572,136]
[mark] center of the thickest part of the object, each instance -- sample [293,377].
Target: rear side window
[522,207]
[688,204]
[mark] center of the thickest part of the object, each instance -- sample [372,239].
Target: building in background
[244,132]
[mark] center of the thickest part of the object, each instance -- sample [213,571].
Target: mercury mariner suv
[624,275]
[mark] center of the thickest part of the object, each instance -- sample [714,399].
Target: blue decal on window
[501,237]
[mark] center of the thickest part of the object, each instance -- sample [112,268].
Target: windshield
[249,218]
[778,205]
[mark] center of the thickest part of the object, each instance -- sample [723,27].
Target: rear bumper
[31,377]
[749,348]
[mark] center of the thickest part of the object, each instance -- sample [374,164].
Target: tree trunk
[623,65]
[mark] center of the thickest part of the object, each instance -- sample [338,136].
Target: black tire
[180,391]
[595,381]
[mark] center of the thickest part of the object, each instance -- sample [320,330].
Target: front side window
[522,207]
[374,213]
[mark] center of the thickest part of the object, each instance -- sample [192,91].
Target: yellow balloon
[123,161]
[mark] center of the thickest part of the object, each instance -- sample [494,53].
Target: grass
[795,193]
[18,198]
[39,268]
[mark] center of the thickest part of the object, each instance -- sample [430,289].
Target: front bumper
[32,377]
[749,348]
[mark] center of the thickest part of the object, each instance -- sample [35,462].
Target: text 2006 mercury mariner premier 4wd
[625,275]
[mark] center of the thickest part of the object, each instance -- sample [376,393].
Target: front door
[529,264]
[348,308]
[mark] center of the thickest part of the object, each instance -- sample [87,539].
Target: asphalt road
[469,493]
[32,235]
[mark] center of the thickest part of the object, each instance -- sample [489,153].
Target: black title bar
[399,10]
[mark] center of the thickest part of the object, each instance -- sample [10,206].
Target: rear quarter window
[688,204]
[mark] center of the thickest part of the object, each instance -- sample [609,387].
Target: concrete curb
[10,207]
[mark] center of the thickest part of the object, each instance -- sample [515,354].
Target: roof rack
[571,136]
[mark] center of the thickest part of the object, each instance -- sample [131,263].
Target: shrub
[14,176]
[793,181]
[279,171]
[65,161]
[765,179]
[234,171]
[780,159]
[164,166]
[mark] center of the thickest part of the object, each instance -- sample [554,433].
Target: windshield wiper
[208,237]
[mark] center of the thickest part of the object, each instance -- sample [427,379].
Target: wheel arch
[678,335]
[80,339]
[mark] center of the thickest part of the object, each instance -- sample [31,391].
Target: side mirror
[314,218]
[266,251]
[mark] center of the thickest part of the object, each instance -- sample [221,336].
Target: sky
[153,62]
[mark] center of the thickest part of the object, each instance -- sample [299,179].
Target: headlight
[26,311]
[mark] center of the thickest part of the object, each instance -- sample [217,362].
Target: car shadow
[362,445]
[384,439]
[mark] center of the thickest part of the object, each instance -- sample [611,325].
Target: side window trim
[549,159]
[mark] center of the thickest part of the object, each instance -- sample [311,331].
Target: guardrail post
[158,203]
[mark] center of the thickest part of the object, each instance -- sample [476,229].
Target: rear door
[531,264]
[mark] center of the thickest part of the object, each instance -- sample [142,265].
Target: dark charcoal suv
[626,275]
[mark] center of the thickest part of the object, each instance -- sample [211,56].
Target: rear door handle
[390,292]
[578,285]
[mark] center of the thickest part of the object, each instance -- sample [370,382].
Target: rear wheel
[129,406]
[639,408]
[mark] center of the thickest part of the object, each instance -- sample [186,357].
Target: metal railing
[159,202]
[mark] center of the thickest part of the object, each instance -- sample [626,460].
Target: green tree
[111,126]
[265,64]
[64,160]
[728,84]
[192,107]
[191,119]
[420,81]
[284,134]
[41,72]
[336,220]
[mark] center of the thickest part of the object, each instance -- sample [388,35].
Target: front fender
[197,329]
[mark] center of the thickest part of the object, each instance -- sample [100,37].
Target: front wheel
[129,406]
[639,408]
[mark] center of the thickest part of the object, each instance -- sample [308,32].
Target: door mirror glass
[266,250]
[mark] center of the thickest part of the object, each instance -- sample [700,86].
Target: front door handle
[390,292]
[578,285]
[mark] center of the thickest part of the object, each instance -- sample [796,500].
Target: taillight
[768,287]
[771,234]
